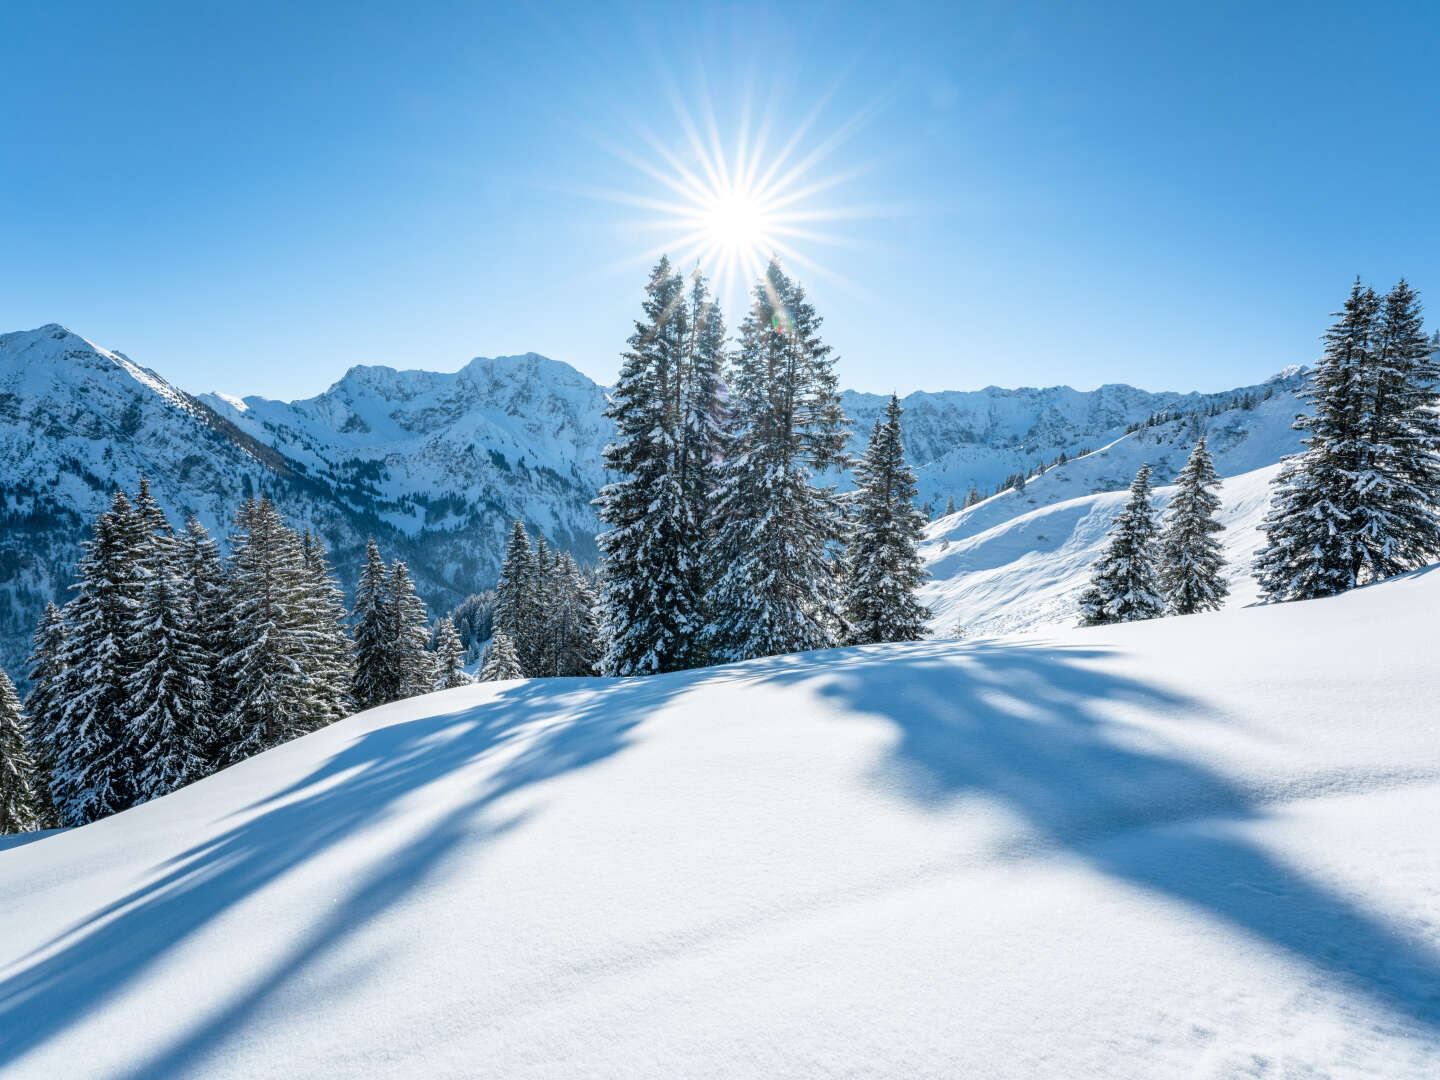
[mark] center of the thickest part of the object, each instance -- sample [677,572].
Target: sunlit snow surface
[1199,847]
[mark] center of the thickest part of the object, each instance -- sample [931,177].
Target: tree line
[172,661]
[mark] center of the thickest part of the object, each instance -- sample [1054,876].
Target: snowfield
[1200,847]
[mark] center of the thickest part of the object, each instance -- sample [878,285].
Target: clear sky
[251,197]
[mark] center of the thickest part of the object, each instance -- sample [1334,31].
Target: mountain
[1199,846]
[436,465]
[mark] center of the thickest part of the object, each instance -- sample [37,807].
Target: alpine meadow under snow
[1200,846]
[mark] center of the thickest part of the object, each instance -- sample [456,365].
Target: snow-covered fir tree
[950,506]
[1191,559]
[377,677]
[501,660]
[651,609]
[272,637]
[883,564]
[330,658]
[1125,584]
[171,720]
[94,762]
[203,584]
[972,497]
[519,599]
[572,624]
[20,805]
[413,662]
[449,657]
[1358,503]
[45,706]
[776,587]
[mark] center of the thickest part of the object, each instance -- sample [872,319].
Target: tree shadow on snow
[98,957]
[1025,724]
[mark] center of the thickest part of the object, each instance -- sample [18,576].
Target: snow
[1191,847]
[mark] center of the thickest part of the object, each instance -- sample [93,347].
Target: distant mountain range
[434,465]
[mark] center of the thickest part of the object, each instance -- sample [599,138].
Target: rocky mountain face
[434,465]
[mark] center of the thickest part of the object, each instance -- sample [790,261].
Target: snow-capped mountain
[436,465]
[1194,847]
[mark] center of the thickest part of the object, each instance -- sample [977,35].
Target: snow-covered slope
[1197,847]
[1019,560]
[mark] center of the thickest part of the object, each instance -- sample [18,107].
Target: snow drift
[1199,847]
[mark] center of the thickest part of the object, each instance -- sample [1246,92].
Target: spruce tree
[95,760]
[651,609]
[882,559]
[449,657]
[1125,585]
[411,621]
[1313,542]
[267,661]
[776,589]
[972,497]
[170,692]
[330,657]
[378,679]
[574,623]
[20,802]
[518,598]
[1191,559]
[206,592]
[44,705]
[501,660]
[950,506]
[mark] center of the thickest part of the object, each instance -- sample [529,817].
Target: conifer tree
[652,613]
[266,662]
[94,758]
[169,691]
[206,593]
[1191,561]
[950,506]
[378,679]
[776,587]
[1125,586]
[574,624]
[45,706]
[882,559]
[20,803]
[1313,543]
[330,657]
[518,607]
[449,657]
[411,621]
[501,660]
[972,497]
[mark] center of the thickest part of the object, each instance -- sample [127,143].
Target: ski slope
[1199,847]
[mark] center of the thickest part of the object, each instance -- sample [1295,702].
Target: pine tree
[972,497]
[267,660]
[169,691]
[95,761]
[411,622]
[652,612]
[1191,561]
[45,706]
[207,595]
[20,803]
[776,588]
[1313,543]
[378,679]
[501,660]
[449,657]
[1125,586]
[883,561]
[518,608]
[950,506]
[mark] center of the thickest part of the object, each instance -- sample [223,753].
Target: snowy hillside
[1083,855]
[1019,560]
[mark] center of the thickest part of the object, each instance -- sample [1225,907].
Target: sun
[736,223]
[726,206]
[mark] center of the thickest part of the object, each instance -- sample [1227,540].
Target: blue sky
[252,197]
